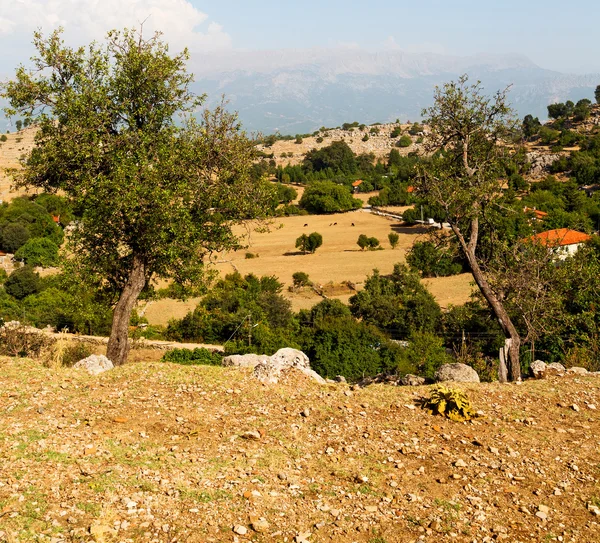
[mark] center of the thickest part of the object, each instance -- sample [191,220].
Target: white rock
[95,364]
[240,530]
[460,373]
[538,369]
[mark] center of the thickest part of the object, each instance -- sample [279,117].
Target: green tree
[19,125]
[14,236]
[22,282]
[338,156]
[464,181]
[531,126]
[328,197]
[431,261]
[309,243]
[38,252]
[363,241]
[393,238]
[597,94]
[154,195]
[398,302]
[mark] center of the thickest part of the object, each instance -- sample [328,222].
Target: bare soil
[158,452]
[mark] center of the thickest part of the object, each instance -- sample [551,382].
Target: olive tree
[155,189]
[466,130]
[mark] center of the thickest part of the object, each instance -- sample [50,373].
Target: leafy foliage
[193,357]
[328,197]
[451,403]
[309,243]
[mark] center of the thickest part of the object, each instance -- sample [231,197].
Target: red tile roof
[538,214]
[357,183]
[410,189]
[560,237]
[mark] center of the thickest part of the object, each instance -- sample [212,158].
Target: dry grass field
[16,144]
[337,261]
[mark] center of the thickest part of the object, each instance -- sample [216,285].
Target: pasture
[337,261]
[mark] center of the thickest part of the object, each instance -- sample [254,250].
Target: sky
[554,35]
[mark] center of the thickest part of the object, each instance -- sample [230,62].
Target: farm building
[564,240]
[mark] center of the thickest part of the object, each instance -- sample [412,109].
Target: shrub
[328,197]
[393,238]
[428,259]
[366,242]
[298,140]
[19,340]
[3,137]
[374,131]
[300,279]
[193,357]
[450,403]
[22,282]
[319,139]
[310,243]
[249,256]
[404,141]
[396,132]
[38,252]
[365,137]
[65,353]
[14,236]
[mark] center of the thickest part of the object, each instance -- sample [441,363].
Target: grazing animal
[306,224]
[335,224]
[352,224]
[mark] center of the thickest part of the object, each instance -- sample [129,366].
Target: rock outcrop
[538,369]
[460,373]
[268,369]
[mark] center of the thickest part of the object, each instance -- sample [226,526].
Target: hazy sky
[555,35]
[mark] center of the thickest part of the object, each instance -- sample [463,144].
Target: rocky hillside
[158,452]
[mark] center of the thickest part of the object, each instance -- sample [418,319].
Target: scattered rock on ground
[460,373]
[412,380]
[577,370]
[555,369]
[95,364]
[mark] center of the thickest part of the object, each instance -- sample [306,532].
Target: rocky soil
[163,453]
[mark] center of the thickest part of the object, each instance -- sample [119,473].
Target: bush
[3,137]
[249,256]
[404,141]
[393,238]
[365,137]
[396,132]
[298,140]
[428,259]
[301,279]
[310,243]
[451,403]
[22,282]
[366,242]
[66,353]
[14,236]
[19,340]
[328,197]
[38,252]
[319,139]
[193,357]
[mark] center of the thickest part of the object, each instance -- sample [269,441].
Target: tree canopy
[155,189]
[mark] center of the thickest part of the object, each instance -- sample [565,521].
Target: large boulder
[577,370]
[538,369]
[244,360]
[269,371]
[95,364]
[460,373]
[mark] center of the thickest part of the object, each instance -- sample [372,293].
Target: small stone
[460,463]
[591,406]
[282,476]
[240,530]
[302,537]
[494,450]
[544,509]
[251,434]
[371,508]
[541,515]
[329,450]
[306,412]
[260,525]
[575,407]
[335,512]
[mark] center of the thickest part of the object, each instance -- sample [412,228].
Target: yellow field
[339,259]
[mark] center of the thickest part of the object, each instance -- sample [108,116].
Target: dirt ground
[157,452]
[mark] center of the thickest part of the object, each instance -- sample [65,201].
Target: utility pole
[250,330]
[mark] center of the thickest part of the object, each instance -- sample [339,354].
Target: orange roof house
[537,214]
[565,239]
[357,183]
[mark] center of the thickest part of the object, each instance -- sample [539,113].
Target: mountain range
[298,91]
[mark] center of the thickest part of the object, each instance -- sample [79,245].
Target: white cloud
[84,20]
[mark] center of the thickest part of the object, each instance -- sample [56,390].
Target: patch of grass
[90,508]
[203,496]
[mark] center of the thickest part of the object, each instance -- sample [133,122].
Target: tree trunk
[118,343]
[514,364]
